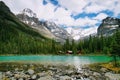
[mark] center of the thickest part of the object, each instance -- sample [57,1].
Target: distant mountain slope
[46,28]
[60,33]
[108,26]
[18,38]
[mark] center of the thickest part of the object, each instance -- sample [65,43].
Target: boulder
[65,78]
[30,71]
[17,76]
[34,77]
[112,76]
[9,73]
[96,74]
[103,69]
[46,78]
[21,79]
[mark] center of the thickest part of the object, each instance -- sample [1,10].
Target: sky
[79,14]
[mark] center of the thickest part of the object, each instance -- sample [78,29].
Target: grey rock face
[109,26]
[60,33]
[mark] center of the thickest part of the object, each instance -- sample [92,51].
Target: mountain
[108,26]
[46,28]
[30,18]
[18,38]
[79,34]
[60,33]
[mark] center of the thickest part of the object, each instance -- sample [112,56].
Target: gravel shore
[44,71]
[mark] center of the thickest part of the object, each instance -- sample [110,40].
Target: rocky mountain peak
[46,28]
[110,21]
[29,17]
[29,12]
[108,26]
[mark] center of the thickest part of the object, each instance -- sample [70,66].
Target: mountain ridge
[46,28]
[108,26]
[18,38]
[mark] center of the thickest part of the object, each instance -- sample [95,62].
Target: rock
[9,74]
[56,76]
[21,79]
[16,69]
[65,78]
[12,78]
[92,78]
[46,78]
[0,75]
[50,72]
[42,74]
[34,77]
[30,71]
[17,76]
[69,71]
[53,69]
[112,76]
[96,74]
[87,73]
[84,78]
[103,70]
[80,71]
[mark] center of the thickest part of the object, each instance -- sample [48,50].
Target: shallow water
[56,58]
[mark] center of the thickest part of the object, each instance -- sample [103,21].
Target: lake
[55,58]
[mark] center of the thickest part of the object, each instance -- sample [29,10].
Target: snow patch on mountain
[78,33]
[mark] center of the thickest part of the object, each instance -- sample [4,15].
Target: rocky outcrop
[108,26]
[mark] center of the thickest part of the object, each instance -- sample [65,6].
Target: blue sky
[82,14]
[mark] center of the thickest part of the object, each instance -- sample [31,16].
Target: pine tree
[115,52]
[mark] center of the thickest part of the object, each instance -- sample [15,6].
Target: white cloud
[47,12]
[117,8]
[94,8]
[100,16]
[75,6]
[85,22]
[63,16]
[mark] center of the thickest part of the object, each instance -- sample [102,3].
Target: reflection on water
[77,63]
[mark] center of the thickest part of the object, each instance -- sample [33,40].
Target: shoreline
[35,71]
[91,54]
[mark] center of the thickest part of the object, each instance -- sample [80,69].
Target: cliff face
[108,26]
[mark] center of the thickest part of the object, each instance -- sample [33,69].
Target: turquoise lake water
[55,58]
